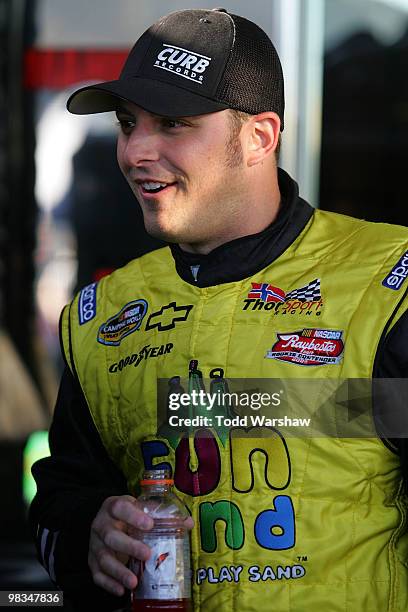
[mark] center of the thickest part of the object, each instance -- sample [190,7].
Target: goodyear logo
[398,274]
[125,322]
[145,353]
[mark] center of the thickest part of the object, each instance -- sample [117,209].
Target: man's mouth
[153,187]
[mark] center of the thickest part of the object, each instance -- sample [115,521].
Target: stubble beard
[234,155]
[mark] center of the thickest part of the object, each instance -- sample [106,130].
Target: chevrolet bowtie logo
[168,316]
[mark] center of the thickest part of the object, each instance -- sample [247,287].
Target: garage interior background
[67,216]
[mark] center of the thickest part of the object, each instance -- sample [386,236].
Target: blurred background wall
[67,216]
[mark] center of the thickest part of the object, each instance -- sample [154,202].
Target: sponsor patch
[264,296]
[398,274]
[266,293]
[182,62]
[309,347]
[145,353]
[125,322]
[168,316]
[87,303]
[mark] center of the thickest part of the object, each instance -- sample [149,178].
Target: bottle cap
[160,476]
[168,481]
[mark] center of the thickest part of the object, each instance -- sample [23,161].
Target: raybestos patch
[125,322]
[309,347]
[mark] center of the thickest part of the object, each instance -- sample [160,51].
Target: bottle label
[163,576]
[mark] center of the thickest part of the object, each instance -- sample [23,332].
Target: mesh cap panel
[253,79]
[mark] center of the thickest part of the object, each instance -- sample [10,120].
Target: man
[255,284]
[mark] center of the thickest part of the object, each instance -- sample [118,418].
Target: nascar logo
[125,322]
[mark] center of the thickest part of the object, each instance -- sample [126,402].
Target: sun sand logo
[185,63]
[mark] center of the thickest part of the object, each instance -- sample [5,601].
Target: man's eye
[125,125]
[172,123]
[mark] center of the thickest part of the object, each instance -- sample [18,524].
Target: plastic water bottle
[163,580]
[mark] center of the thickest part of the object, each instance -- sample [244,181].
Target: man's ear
[261,137]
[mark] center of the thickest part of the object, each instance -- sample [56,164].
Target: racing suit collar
[243,257]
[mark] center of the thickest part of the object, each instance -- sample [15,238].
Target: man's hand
[110,544]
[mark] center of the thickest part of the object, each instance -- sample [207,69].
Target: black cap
[194,62]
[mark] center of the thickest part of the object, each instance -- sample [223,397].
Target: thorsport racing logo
[187,64]
[309,347]
[125,322]
[306,299]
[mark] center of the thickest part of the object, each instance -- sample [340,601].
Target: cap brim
[154,96]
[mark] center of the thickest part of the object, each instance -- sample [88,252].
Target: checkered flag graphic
[308,293]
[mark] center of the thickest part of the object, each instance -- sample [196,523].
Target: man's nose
[142,145]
